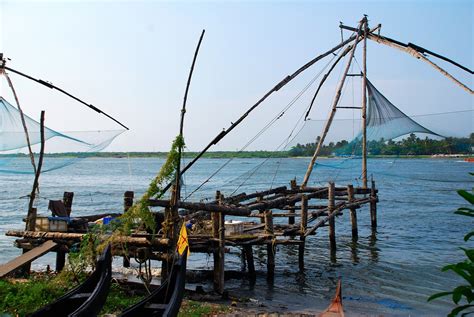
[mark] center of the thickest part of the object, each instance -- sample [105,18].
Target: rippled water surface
[391,272]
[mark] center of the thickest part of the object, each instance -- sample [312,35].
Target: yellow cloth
[183,240]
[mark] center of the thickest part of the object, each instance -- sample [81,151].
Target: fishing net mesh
[13,142]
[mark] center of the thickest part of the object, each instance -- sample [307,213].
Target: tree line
[412,145]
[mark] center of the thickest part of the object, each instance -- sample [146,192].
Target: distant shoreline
[219,155]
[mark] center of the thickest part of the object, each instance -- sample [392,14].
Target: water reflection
[374,251]
[354,251]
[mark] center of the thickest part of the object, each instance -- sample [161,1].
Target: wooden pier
[279,216]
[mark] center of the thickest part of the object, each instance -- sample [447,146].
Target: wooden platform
[27,257]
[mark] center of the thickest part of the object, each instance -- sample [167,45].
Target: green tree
[465,269]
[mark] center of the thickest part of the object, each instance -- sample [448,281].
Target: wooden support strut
[127,204]
[271,249]
[163,242]
[373,207]
[291,219]
[219,268]
[332,114]
[332,222]
[303,224]
[353,212]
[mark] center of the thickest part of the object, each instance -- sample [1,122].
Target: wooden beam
[228,210]
[27,258]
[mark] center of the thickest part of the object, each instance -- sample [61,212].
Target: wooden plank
[27,257]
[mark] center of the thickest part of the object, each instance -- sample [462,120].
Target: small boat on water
[165,300]
[335,309]
[88,298]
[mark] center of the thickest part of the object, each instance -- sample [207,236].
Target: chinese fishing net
[62,148]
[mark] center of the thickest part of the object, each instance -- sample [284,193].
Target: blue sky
[132,59]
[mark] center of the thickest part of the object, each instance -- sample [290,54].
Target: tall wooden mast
[333,111]
[364,104]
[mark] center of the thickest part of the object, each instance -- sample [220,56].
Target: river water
[391,272]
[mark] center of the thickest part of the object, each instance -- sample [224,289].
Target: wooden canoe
[335,309]
[165,300]
[88,298]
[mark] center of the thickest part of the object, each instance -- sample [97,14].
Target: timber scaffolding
[303,208]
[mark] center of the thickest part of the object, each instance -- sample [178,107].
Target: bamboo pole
[181,125]
[31,218]
[364,104]
[331,116]
[304,223]
[78,237]
[23,122]
[407,49]
[277,87]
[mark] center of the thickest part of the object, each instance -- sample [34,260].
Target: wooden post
[353,212]
[271,250]
[258,200]
[364,104]
[332,221]
[60,259]
[248,252]
[291,219]
[31,217]
[170,230]
[127,204]
[128,200]
[67,201]
[219,269]
[373,206]
[304,223]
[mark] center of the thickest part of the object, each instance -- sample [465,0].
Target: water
[392,272]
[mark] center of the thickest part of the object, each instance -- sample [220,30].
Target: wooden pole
[23,122]
[292,210]
[31,218]
[407,49]
[170,231]
[277,87]
[127,204]
[331,116]
[60,260]
[304,223]
[373,206]
[67,201]
[353,212]
[364,104]
[219,270]
[181,125]
[271,250]
[248,252]
[332,222]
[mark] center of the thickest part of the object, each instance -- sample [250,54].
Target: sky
[131,59]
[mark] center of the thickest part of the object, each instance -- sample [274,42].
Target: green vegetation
[464,269]
[21,297]
[195,309]
[412,145]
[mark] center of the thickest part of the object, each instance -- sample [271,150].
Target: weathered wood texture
[27,257]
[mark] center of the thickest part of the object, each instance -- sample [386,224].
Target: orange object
[469,159]
[335,309]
